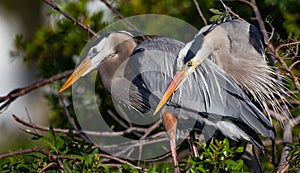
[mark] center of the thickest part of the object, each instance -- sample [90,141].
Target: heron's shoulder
[158,43]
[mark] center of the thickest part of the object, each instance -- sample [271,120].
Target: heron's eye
[190,63]
[94,50]
[113,54]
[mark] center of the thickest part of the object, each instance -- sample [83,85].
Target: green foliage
[56,46]
[287,12]
[294,157]
[65,153]
[217,157]
[218,16]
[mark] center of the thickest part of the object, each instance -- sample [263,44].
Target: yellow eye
[190,63]
[94,50]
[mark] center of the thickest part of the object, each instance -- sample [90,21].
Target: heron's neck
[245,69]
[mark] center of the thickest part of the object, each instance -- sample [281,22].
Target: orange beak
[173,86]
[83,67]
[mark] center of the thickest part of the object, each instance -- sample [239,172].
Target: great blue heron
[237,47]
[208,101]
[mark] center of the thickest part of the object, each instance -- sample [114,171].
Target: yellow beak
[177,80]
[83,67]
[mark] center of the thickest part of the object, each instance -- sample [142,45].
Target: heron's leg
[193,145]
[251,158]
[170,123]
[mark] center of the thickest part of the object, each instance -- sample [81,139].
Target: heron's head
[106,47]
[189,58]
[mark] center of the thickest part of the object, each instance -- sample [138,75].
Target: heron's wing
[151,67]
[215,93]
[208,96]
[128,89]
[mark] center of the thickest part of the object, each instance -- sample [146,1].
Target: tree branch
[78,132]
[120,16]
[200,12]
[120,160]
[14,94]
[76,22]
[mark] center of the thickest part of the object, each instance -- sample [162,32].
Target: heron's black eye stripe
[190,54]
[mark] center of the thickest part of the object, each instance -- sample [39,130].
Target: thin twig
[93,133]
[260,21]
[230,11]
[122,123]
[151,129]
[120,16]
[118,120]
[120,160]
[200,12]
[71,120]
[27,115]
[48,166]
[40,150]
[294,64]
[286,45]
[76,22]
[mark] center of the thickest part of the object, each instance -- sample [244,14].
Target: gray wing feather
[209,95]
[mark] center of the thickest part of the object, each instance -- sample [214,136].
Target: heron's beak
[83,67]
[173,86]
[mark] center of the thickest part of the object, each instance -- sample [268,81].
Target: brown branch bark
[200,12]
[48,166]
[120,16]
[14,94]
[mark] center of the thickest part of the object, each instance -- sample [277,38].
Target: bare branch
[77,132]
[120,160]
[230,11]
[122,123]
[152,128]
[48,166]
[120,16]
[14,94]
[71,120]
[287,44]
[294,64]
[200,12]
[111,114]
[260,22]
[296,121]
[76,22]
